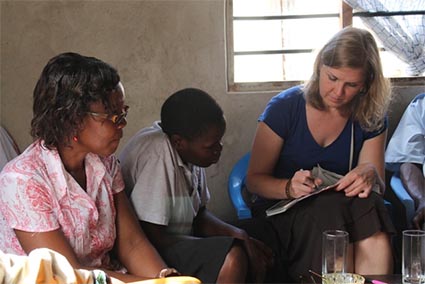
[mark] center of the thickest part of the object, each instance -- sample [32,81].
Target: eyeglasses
[116,119]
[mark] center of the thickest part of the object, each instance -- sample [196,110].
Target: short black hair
[190,113]
[67,86]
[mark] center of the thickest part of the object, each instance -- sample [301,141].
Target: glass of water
[334,251]
[413,257]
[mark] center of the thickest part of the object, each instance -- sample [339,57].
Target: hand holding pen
[303,183]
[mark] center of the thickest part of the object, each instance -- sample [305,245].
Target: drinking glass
[413,257]
[334,251]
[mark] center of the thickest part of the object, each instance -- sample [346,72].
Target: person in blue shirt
[337,121]
[406,153]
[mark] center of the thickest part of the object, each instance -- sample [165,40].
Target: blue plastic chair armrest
[235,185]
[403,196]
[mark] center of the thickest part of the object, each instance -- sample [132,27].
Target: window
[271,44]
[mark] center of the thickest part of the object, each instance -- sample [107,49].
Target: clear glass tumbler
[413,257]
[334,251]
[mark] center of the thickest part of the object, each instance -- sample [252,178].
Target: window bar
[284,17]
[331,15]
[388,14]
[280,51]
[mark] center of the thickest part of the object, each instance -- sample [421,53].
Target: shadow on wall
[8,147]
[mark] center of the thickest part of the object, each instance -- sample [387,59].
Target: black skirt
[296,235]
[200,258]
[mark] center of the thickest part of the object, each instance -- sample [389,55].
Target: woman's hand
[303,183]
[419,218]
[359,181]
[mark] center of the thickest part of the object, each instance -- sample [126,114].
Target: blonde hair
[355,48]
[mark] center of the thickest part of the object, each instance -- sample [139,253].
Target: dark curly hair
[68,84]
[189,113]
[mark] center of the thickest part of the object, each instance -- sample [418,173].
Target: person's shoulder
[291,98]
[146,137]
[154,131]
[293,93]
[149,138]
[29,164]
[415,107]
[31,157]
[419,99]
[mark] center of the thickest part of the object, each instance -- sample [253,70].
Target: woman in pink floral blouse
[65,191]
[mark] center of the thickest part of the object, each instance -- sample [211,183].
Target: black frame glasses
[116,119]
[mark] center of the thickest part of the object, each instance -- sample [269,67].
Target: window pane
[256,7]
[258,68]
[292,36]
[273,67]
[299,66]
[283,34]
[311,7]
[284,7]
[391,64]
[309,33]
[257,35]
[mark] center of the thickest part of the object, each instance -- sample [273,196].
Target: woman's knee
[377,241]
[378,238]
[376,246]
[236,256]
[235,266]
[374,255]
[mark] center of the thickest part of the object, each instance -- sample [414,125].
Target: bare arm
[160,237]
[260,255]
[207,224]
[369,171]
[55,240]
[264,155]
[132,246]
[414,182]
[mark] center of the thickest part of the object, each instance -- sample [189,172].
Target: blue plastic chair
[235,185]
[237,182]
[403,196]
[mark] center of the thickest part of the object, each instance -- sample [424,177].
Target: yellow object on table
[170,280]
[41,266]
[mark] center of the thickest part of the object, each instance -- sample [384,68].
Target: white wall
[157,46]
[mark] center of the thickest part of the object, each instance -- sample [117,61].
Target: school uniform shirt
[37,194]
[163,189]
[407,145]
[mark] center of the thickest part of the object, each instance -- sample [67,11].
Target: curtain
[403,35]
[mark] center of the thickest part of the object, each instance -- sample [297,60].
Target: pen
[374,281]
[316,187]
[378,282]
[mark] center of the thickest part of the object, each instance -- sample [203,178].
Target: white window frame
[346,17]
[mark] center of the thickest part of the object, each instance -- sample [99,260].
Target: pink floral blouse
[38,195]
